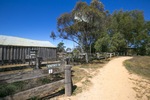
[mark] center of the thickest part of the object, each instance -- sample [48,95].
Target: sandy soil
[113,82]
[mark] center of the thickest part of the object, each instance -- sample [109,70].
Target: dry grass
[77,90]
[84,72]
[86,84]
[139,65]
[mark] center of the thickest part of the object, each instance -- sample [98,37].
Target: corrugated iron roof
[17,41]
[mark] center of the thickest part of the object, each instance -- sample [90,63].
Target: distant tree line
[93,27]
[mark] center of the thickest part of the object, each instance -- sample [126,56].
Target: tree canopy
[90,25]
[83,24]
[61,47]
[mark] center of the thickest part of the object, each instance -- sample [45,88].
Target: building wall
[18,54]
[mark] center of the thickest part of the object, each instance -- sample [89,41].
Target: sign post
[51,67]
[34,59]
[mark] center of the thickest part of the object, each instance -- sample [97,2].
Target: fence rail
[41,90]
[37,91]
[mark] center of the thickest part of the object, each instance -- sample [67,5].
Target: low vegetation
[12,88]
[139,65]
[9,89]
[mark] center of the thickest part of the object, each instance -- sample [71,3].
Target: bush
[11,88]
[7,90]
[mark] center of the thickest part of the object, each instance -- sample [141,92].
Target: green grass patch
[139,65]
[9,89]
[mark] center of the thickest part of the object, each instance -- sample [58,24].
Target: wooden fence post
[86,58]
[37,63]
[68,80]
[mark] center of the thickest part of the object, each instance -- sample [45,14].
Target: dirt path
[111,83]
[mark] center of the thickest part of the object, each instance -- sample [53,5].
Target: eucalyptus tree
[52,35]
[61,47]
[146,44]
[84,24]
[125,29]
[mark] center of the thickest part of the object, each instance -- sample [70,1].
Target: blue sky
[35,19]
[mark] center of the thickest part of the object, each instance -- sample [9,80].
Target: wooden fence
[40,91]
[37,91]
[52,69]
[85,57]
